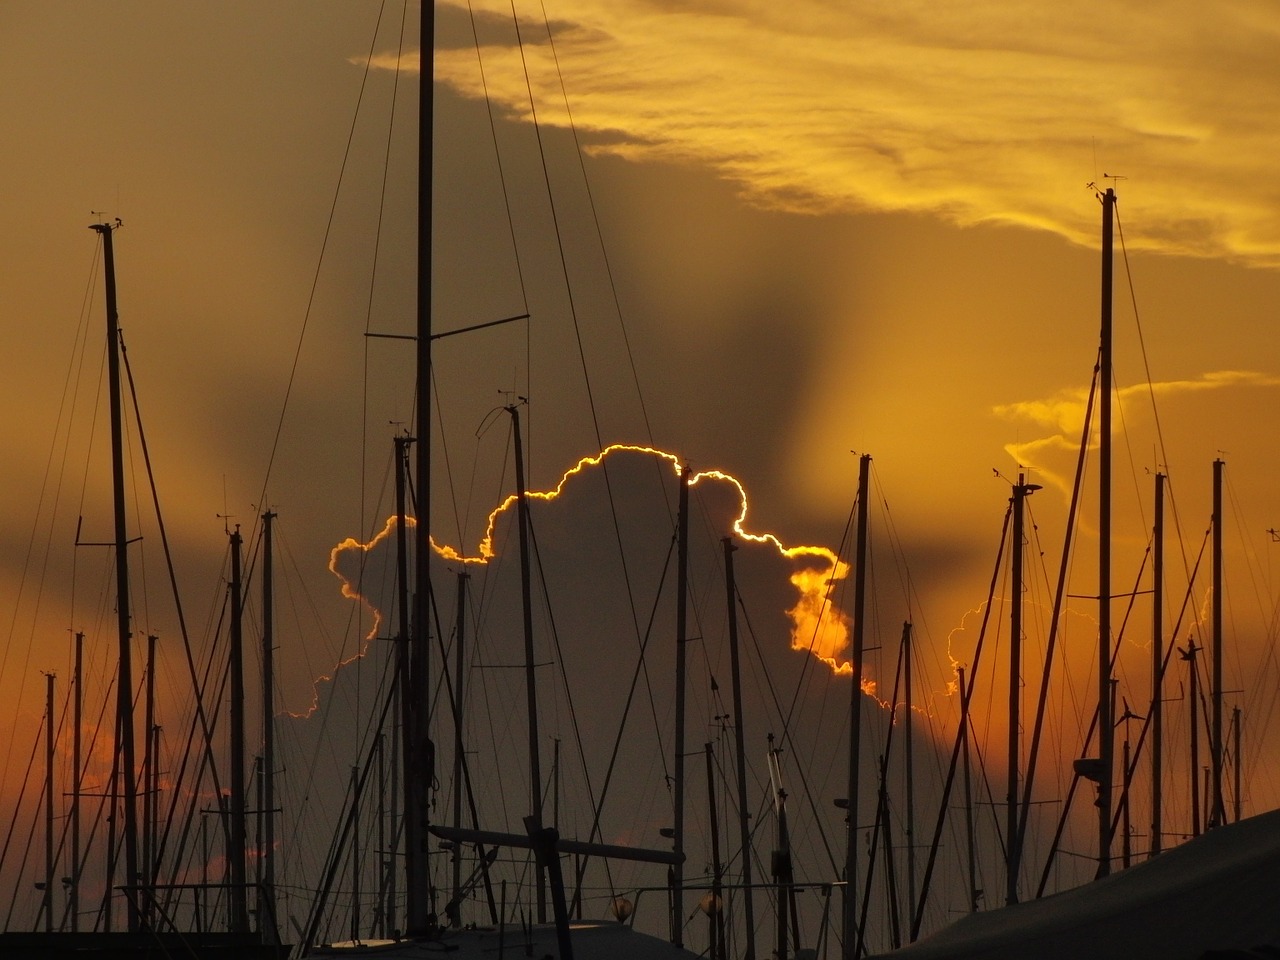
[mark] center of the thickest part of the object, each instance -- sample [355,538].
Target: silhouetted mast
[149,779]
[1238,766]
[50,727]
[1189,655]
[1217,809]
[744,827]
[971,854]
[420,771]
[1105,733]
[530,661]
[238,899]
[267,859]
[850,924]
[909,761]
[124,745]
[73,906]
[458,677]
[1013,849]
[713,902]
[403,664]
[782,873]
[682,597]
[1157,670]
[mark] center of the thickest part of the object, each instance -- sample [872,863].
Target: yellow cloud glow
[986,112]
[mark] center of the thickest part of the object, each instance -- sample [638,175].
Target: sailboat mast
[419,772]
[1217,809]
[50,728]
[971,858]
[530,661]
[1193,700]
[1105,733]
[713,904]
[850,923]
[744,828]
[459,676]
[267,891]
[1157,670]
[682,636]
[1013,842]
[402,697]
[148,776]
[909,763]
[1238,765]
[124,686]
[76,853]
[238,901]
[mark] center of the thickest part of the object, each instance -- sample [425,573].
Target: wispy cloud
[407,62]
[1063,413]
[980,112]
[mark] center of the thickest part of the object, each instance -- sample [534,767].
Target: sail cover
[1220,891]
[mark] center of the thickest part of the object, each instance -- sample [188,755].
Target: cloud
[988,112]
[409,62]
[1064,412]
[816,623]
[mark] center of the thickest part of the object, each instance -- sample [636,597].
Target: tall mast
[744,828]
[971,858]
[1105,733]
[850,924]
[77,710]
[1217,809]
[1013,841]
[258,883]
[355,854]
[530,662]
[267,891]
[909,762]
[1236,720]
[1156,711]
[148,777]
[715,906]
[379,910]
[682,596]
[782,876]
[153,800]
[50,727]
[1193,700]
[419,772]
[124,686]
[403,668]
[238,901]
[458,677]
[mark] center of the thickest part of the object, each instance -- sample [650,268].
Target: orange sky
[828,230]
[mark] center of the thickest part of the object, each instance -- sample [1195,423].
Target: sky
[812,231]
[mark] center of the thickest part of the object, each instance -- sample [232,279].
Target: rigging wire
[66,407]
[1260,698]
[576,324]
[315,278]
[595,216]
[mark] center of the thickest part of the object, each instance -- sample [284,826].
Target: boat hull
[1218,892]
[138,946]
[591,941]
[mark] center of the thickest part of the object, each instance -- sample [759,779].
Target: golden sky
[829,227]
[981,113]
